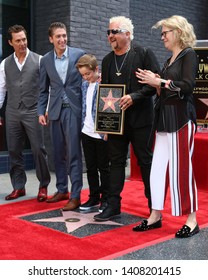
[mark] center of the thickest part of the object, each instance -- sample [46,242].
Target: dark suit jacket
[141,112]
[51,82]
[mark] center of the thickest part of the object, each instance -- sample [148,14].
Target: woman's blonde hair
[185,34]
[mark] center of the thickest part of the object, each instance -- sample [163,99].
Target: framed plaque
[109,116]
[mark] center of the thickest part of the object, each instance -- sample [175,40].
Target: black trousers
[118,149]
[97,165]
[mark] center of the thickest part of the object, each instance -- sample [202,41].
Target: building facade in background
[87,21]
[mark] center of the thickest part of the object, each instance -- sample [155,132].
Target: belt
[65,105]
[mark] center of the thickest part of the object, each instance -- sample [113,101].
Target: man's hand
[125,102]
[43,120]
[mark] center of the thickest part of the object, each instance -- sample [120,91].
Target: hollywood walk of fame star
[109,101]
[75,220]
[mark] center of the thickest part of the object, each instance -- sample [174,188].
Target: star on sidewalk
[109,101]
[75,220]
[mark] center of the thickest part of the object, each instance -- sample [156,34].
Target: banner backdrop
[201,89]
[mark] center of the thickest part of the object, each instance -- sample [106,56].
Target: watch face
[162,85]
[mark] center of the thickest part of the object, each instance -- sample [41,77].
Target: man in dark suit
[118,67]
[60,79]
[19,79]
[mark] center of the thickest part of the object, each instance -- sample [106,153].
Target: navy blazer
[51,83]
[141,113]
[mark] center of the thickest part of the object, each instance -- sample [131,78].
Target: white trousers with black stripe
[173,153]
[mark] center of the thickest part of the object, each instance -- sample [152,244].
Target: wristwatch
[162,83]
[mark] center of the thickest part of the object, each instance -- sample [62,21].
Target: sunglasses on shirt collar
[116,31]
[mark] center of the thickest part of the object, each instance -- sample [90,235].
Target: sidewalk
[33,183]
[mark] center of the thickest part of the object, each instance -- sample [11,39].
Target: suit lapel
[130,60]
[108,62]
[72,57]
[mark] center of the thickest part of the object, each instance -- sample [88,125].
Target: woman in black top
[175,124]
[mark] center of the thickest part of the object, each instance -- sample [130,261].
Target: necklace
[118,73]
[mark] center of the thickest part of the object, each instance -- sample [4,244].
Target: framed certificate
[109,116]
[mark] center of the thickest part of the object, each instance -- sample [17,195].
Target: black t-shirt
[113,78]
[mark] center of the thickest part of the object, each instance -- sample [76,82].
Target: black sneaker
[90,204]
[103,205]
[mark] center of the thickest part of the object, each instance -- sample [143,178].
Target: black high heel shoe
[185,231]
[144,226]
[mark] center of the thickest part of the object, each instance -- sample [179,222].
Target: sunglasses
[116,31]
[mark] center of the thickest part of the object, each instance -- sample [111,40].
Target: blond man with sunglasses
[118,67]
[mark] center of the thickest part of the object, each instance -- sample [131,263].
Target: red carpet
[25,240]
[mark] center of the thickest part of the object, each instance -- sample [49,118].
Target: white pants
[174,151]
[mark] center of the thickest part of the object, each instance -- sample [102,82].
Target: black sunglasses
[116,31]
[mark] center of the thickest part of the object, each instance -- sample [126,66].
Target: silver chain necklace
[118,73]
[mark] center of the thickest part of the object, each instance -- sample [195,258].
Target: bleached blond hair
[185,35]
[124,23]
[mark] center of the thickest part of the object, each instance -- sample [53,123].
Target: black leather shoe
[106,214]
[185,231]
[144,226]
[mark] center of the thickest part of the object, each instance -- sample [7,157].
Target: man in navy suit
[60,90]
